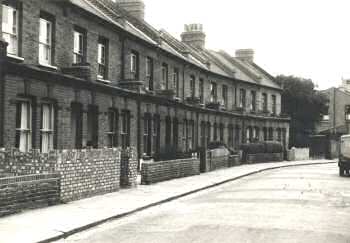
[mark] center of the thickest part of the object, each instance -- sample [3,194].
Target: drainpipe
[3,54]
[138,132]
[334,113]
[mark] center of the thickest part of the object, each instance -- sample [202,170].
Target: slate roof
[218,62]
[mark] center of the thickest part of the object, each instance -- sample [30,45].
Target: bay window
[45,41]
[24,126]
[10,28]
[113,126]
[125,129]
[47,131]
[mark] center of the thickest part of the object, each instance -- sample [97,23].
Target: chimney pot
[194,35]
[135,7]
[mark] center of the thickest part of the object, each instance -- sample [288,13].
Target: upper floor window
[134,64]
[274,104]
[224,95]
[264,102]
[201,90]
[165,75]
[45,41]
[213,92]
[79,46]
[149,72]
[192,86]
[253,100]
[10,28]
[176,81]
[242,98]
[102,58]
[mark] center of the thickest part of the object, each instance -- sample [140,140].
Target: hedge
[262,147]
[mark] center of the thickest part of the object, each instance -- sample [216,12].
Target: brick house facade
[83,73]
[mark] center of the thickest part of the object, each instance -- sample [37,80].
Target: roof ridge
[221,65]
[230,58]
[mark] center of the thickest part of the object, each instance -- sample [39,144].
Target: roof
[220,63]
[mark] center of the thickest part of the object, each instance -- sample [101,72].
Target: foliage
[218,144]
[305,106]
[262,147]
[170,153]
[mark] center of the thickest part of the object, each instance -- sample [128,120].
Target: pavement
[59,222]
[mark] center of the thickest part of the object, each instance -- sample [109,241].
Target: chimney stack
[194,35]
[245,55]
[135,7]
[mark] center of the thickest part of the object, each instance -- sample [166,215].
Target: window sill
[104,80]
[48,66]
[17,58]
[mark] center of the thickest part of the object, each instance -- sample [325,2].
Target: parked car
[344,157]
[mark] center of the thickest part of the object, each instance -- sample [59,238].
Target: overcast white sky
[305,38]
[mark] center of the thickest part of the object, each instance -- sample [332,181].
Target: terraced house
[78,73]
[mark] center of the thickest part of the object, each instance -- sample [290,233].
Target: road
[301,204]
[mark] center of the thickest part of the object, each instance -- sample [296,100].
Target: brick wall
[129,164]
[167,170]
[87,173]
[219,162]
[267,157]
[15,163]
[83,173]
[28,192]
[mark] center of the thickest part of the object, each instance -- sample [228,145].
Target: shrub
[170,153]
[253,148]
[273,147]
[262,147]
[216,144]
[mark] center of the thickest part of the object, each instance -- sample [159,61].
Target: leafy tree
[304,104]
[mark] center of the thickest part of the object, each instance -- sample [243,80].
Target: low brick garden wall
[28,192]
[264,157]
[153,172]
[86,173]
[15,163]
[129,163]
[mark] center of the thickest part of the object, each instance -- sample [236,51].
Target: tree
[304,105]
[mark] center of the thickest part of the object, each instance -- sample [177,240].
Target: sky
[304,38]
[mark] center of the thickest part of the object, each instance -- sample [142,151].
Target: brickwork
[87,173]
[267,157]
[28,192]
[219,162]
[17,163]
[84,173]
[129,164]
[166,170]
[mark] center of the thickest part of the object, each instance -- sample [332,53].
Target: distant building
[335,123]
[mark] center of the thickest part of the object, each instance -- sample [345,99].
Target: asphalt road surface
[301,204]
